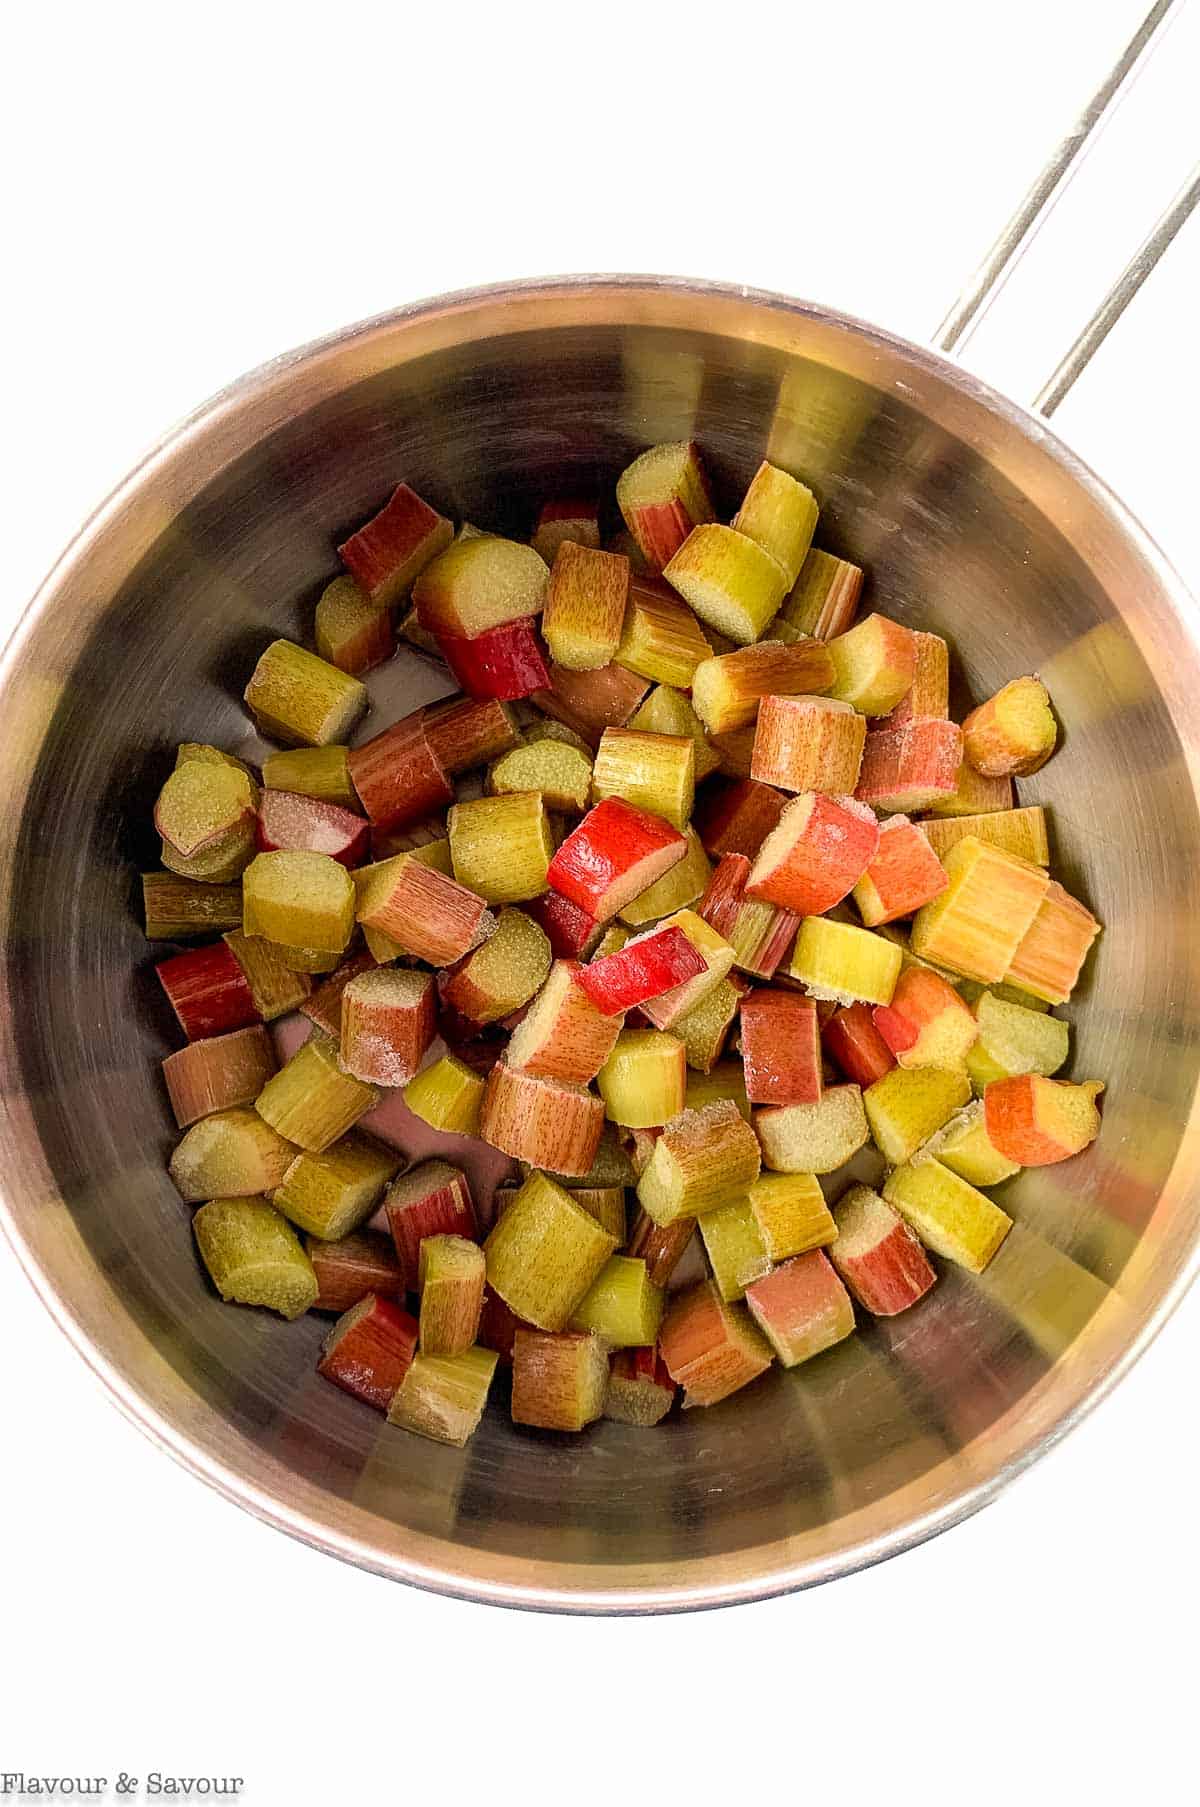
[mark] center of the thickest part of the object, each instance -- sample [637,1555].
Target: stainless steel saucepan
[972,520]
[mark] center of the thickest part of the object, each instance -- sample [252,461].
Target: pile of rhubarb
[694,892]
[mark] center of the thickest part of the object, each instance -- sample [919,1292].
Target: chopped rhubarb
[478,584]
[808,743]
[253,1255]
[1036,1121]
[431,1199]
[218,1073]
[565,523]
[394,546]
[571,932]
[1013,733]
[208,991]
[398,776]
[553,1124]
[616,852]
[352,631]
[912,767]
[781,514]
[501,847]
[353,1266]
[428,914]
[660,637]
[502,975]
[711,1348]
[369,1350]
[662,495]
[469,731]
[640,1388]
[388,1021]
[301,700]
[287,819]
[732,582]
[816,855]
[591,701]
[564,1034]
[560,1383]
[853,1041]
[505,662]
[904,874]
[544,1253]
[730,690]
[877,1255]
[781,1048]
[802,1308]
[656,772]
[737,818]
[645,968]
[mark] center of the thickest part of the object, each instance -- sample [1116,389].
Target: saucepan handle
[988,281]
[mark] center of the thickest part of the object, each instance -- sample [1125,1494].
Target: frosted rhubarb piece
[823,601]
[640,1389]
[448,1096]
[431,1199]
[590,701]
[622,1306]
[1021,832]
[313,1100]
[369,1350]
[877,1255]
[479,584]
[1013,733]
[450,1279]
[423,911]
[660,637]
[1014,1039]
[615,853]
[779,513]
[564,1034]
[662,495]
[611,1166]
[398,776]
[840,962]
[205,816]
[654,772]
[873,664]
[394,546]
[727,691]
[551,1123]
[302,700]
[290,820]
[781,1048]
[926,1024]
[978,923]
[443,1396]
[950,1216]
[668,711]
[704,1159]
[389,1018]
[1037,1121]
[232,1154]
[560,1382]
[808,743]
[729,580]
[505,663]
[852,1040]
[351,630]
[321,772]
[299,902]
[353,1266]
[551,760]
[964,1146]
[544,1253]
[571,523]
[717,955]
[710,1348]
[816,855]
[1050,955]
[218,1074]
[907,1106]
[502,975]
[802,1308]
[910,768]
[253,1255]
[905,873]
[813,1138]
[642,1081]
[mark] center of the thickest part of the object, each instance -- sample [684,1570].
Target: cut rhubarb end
[907,1106]
[711,1349]
[320,772]
[878,1256]
[912,767]
[643,1080]
[288,820]
[470,731]
[662,495]
[218,1074]
[565,523]
[816,855]
[1037,1121]
[443,1396]
[301,700]
[301,902]
[616,853]
[553,1124]
[369,1350]
[950,1216]
[668,711]
[353,1266]
[479,584]
[813,1138]
[654,772]
[729,580]
[727,691]
[394,546]
[544,1253]
[557,768]
[681,885]
[352,631]
[1014,1039]
[660,637]
[585,606]
[232,1154]
[904,875]
[852,1040]
[781,1048]
[781,515]
[431,1199]
[591,701]
[640,1389]
[840,963]
[802,1308]
[703,1160]
[399,777]
[874,665]
[448,1096]
[808,744]
[824,599]
[426,913]
[501,847]
[1013,733]
[207,990]
[926,1024]
[504,662]
[253,1256]
[202,806]
[502,975]
[645,968]
[738,817]
[559,1382]
[389,1018]
[179,909]
[311,1100]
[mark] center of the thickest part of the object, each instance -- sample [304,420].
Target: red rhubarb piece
[617,852]
[389,552]
[738,817]
[506,662]
[781,1048]
[305,825]
[398,775]
[816,855]
[370,1349]
[208,991]
[433,1199]
[852,1040]
[644,968]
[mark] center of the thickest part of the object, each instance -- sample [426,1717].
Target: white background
[191,191]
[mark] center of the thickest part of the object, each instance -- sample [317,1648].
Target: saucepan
[972,520]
